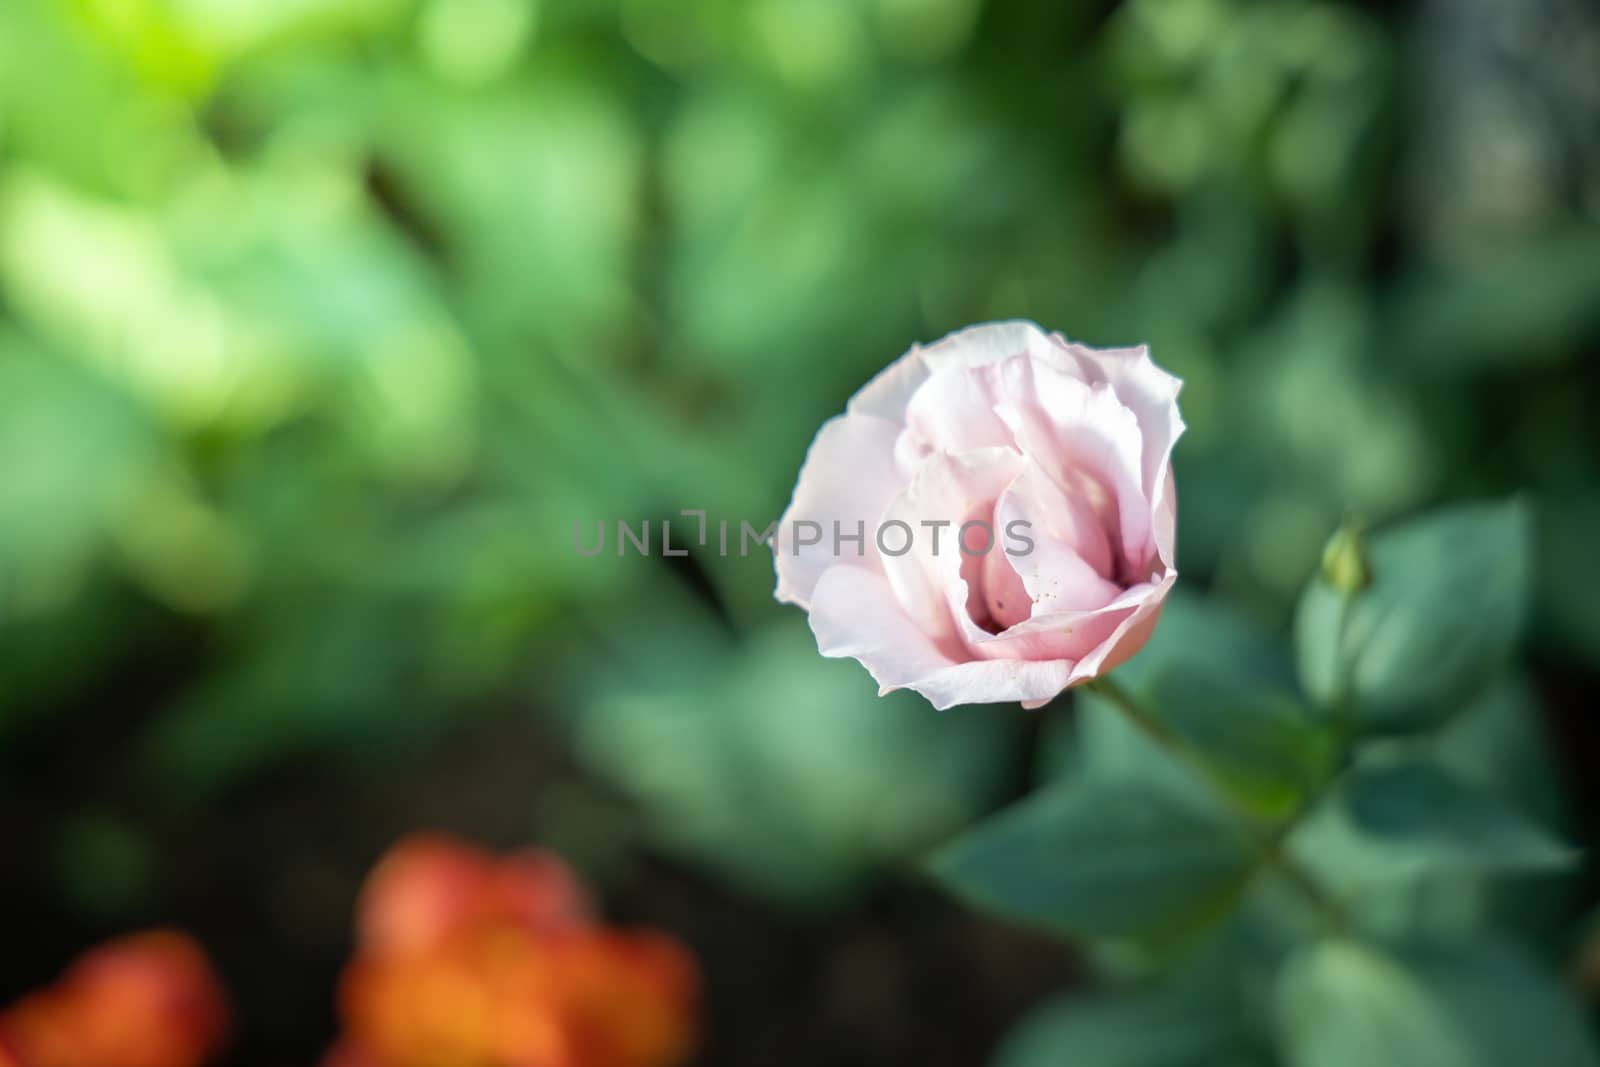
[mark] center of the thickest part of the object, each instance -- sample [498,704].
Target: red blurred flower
[470,960]
[147,1000]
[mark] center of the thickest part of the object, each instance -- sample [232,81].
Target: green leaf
[1404,884]
[1176,1025]
[1198,631]
[1225,687]
[1259,744]
[1441,822]
[1100,859]
[1341,1003]
[1444,611]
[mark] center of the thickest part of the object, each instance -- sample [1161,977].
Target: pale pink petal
[1071,560]
[1129,637]
[855,613]
[994,588]
[1147,391]
[979,346]
[887,395]
[1088,442]
[995,681]
[927,579]
[849,478]
[1165,521]
[1069,635]
[954,411]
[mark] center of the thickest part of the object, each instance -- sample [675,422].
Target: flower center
[996,598]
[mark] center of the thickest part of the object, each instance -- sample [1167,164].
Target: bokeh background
[322,322]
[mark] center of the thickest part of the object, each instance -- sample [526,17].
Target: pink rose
[1056,454]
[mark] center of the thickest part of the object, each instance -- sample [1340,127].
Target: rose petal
[1129,636]
[994,588]
[1085,439]
[954,411]
[992,342]
[927,579]
[1071,557]
[854,613]
[1144,389]
[996,681]
[849,477]
[887,395]
[1067,635]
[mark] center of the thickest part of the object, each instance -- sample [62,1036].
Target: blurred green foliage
[326,309]
[323,321]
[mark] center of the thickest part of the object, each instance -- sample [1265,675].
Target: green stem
[1269,846]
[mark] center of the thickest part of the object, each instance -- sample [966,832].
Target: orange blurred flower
[428,887]
[147,1000]
[626,997]
[466,959]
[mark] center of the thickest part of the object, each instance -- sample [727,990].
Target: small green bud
[1344,560]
